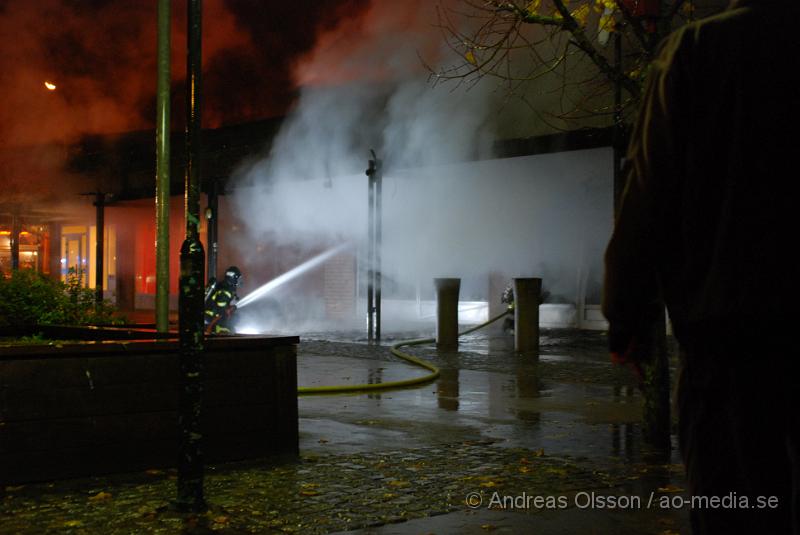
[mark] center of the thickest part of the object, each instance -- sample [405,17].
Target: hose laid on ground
[395,349]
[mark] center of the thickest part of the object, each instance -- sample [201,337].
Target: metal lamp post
[191,463]
[162,167]
[374,237]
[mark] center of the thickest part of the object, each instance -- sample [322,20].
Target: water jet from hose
[306,266]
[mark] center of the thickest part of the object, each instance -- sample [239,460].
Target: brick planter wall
[91,408]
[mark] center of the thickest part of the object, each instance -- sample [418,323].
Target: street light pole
[163,167]
[370,250]
[374,238]
[378,240]
[191,463]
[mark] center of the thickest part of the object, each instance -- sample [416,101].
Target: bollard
[526,314]
[447,312]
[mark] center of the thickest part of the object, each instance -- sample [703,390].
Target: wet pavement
[501,443]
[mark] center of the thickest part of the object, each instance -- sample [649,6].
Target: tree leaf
[670,488]
[533,7]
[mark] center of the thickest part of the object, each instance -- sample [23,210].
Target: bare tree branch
[540,50]
[583,42]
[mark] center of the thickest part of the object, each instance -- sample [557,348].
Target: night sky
[101,56]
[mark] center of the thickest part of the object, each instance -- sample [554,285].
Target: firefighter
[220,303]
[508,299]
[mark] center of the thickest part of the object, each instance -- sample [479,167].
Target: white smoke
[532,216]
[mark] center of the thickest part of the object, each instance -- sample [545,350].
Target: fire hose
[390,385]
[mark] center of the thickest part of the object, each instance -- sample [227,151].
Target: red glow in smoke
[382,43]
[101,54]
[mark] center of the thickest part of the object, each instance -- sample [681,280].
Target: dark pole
[100,203]
[16,229]
[617,132]
[212,233]
[370,248]
[656,422]
[162,167]
[378,239]
[191,463]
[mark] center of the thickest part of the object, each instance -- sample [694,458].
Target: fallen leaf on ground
[556,471]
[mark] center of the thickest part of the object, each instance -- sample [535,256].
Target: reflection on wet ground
[568,401]
[485,388]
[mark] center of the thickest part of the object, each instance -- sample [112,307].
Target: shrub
[31,298]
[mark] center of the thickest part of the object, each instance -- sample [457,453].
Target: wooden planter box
[100,407]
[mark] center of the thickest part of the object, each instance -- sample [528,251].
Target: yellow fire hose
[395,349]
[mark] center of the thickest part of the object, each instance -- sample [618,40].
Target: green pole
[162,167]
[190,303]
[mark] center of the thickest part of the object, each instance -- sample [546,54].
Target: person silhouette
[706,226]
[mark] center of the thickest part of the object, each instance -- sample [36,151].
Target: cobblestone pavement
[499,444]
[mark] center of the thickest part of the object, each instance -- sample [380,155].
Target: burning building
[473,186]
[528,211]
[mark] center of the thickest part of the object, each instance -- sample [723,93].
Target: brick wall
[340,287]
[84,410]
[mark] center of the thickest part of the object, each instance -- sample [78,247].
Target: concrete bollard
[526,314]
[447,312]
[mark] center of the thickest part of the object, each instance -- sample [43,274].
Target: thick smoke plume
[364,86]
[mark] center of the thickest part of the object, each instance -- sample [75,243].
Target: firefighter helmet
[233,276]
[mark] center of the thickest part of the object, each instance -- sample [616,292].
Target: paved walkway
[502,443]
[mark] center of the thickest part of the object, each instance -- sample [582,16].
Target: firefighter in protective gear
[220,302]
[508,299]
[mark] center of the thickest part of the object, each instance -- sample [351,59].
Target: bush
[31,298]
